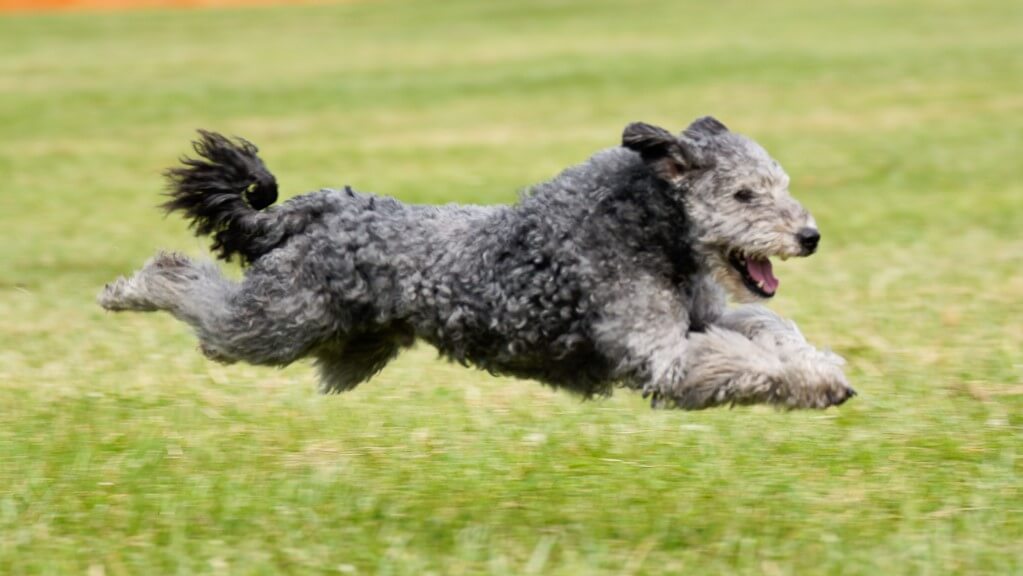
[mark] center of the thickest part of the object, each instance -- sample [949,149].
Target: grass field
[122,451]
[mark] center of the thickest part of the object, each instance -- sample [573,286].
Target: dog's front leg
[647,338]
[643,335]
[722,368]
[814,378]
[763,326]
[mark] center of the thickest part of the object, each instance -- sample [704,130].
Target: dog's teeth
[760,284]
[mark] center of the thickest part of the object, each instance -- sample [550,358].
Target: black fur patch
[708,125]
[221,193]
[666,155]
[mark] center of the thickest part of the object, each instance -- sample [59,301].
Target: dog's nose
[808,239]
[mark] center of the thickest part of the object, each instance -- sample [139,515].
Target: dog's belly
[567,362]
[585,372]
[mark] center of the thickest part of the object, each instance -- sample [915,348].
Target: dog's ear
[664,153]
[706,126]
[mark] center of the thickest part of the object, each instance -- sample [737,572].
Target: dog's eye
[744,195]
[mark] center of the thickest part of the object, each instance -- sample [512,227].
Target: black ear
[706,126]
[668,157]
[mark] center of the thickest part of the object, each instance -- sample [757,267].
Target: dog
[616,273]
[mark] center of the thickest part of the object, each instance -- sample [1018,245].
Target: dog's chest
[706,302]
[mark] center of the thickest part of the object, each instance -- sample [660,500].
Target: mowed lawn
[123,451]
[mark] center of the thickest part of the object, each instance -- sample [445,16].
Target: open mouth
[756,272]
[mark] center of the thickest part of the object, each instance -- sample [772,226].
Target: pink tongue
[761,271]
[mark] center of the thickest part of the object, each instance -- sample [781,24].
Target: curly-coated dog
[614,273]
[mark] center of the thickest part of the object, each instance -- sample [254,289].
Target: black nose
[808,239]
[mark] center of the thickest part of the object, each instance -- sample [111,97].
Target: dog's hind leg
[262,320]
[171,282]
[344,364]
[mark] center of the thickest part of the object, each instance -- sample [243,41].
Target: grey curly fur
[614,273]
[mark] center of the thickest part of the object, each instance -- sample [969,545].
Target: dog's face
[737,200]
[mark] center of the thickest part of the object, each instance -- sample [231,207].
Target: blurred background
[122,450]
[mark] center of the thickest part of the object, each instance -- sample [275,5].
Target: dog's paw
[817,381]
[113,296]
[833,391]
[123,295]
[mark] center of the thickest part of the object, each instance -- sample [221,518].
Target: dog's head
[737,200]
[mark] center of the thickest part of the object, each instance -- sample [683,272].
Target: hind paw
[123,295]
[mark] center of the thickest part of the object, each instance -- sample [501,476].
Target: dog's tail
[222,193]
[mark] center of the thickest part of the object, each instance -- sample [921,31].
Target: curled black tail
[221,192]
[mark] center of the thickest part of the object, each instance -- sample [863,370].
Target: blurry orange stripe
[43,5]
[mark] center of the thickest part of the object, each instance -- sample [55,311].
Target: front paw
[834,392]
[817,381]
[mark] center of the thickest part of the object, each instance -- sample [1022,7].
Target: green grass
[122,451]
